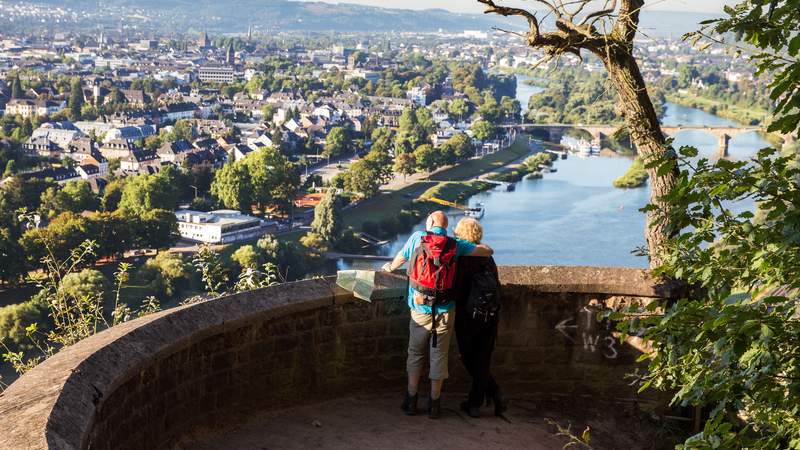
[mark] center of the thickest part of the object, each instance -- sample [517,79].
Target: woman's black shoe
[500,403]
[435,408]
[472,411]
[410,405]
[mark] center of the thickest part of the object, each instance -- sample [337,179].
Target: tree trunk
[645,130]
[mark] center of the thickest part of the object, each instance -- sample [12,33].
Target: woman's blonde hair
[470,230]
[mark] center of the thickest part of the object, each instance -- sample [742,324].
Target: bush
[86,283]
[636,176]
[166,274]
[14,319]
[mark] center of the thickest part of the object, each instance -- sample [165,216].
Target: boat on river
[477,212]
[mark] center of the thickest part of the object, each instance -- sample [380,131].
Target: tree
[10,168]
[63,234]
[12,261]
[405,163]
[232,187]
[608,33]
[483,130]
[167,274]
[731,345]
[274,178]
[86,283]
[328,223]
[461,146]
[364,177]
[112,195]
[247,257]
[426,158]
[75,98]
[16,88]
[336,143]
[144,193]
[458,108]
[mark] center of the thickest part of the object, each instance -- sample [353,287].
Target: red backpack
[432,272]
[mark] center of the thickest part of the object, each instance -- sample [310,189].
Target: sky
[710,6]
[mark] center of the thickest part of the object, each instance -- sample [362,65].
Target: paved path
[376,422]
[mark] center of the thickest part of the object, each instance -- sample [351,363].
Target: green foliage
[574,95]
[265,177]
[405,164]
[483,130]
[143,193]
[167,274]
[75,196]
[636,176]
[212,271]
[75,98]
[366,175]
[232,187]
[246,257]
[733,345]
[337,142]
[328,223]
[14,319]
[426,158]
[86,283]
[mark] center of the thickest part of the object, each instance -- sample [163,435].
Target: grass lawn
[385,204]
[475,167]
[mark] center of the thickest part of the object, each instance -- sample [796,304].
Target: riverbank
[739,114]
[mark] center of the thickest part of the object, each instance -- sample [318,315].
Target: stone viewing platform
[307,365]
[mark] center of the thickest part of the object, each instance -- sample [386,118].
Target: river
[575,216]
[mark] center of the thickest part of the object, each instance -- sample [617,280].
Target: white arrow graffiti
[562,327]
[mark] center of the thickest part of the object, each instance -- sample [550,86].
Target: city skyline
[472,6]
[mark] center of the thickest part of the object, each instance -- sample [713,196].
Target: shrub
[15,318]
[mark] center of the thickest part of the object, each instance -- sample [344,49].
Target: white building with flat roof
[222,226]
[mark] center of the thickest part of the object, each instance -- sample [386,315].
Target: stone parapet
[161,380]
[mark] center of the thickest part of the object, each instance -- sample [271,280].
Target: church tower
[230,55]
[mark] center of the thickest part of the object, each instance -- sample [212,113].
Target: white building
[216,74]
[417,95]
[221,227]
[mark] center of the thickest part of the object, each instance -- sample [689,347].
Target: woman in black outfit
[477,316]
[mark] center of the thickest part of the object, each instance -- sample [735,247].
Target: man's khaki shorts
[419,341]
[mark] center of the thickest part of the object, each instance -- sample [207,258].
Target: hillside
[282,15]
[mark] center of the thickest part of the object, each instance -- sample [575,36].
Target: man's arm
[396,263]
[482,250]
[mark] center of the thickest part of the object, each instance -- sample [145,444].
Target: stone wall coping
[54,404]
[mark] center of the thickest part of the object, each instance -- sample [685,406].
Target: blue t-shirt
[462,248]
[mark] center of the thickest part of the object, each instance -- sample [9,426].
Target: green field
[476,167]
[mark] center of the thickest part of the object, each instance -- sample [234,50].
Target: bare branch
[607,11]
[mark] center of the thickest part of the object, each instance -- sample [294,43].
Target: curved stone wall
[156,381]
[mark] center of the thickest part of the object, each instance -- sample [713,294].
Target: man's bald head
[436,219]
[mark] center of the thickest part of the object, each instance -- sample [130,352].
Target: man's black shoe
[410,405]
[472,411]
[435,408]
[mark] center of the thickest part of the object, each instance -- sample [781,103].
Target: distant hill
[237,15]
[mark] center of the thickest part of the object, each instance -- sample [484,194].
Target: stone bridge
[194,374]
[723,134]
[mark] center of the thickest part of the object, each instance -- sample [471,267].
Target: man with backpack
[432,258]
